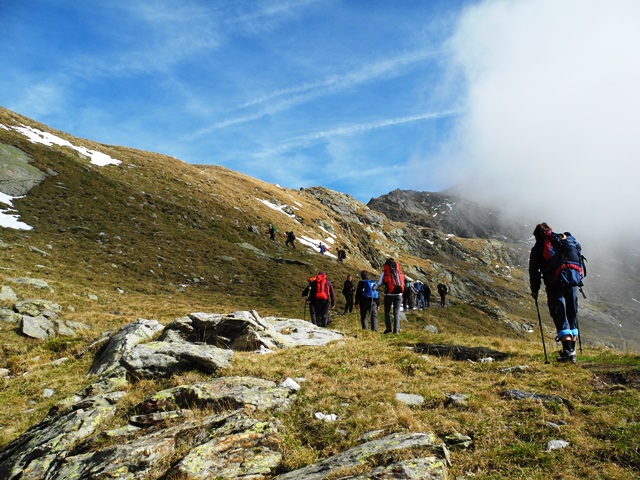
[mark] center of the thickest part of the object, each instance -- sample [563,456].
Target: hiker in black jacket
[347,290]
[290,239]
[426,291]
[442,291]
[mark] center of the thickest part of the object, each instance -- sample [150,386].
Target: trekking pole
[579,336]
[546,359]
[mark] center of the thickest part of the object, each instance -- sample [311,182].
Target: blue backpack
[564,254]
[369,291]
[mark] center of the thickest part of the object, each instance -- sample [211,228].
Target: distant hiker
[290,239]
[442,291]
[557,260]
[426,292]
[347,290]
[393,279]
[342,255]
[319,293]
[419,295]
[272,232]
[407,294]
[322,248]
[367,300]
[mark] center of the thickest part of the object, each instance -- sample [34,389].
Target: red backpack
[322,289]
[393,279]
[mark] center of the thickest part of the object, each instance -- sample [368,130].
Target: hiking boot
[567,356]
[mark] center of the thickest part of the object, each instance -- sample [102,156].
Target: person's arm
[381,279]
[332,295]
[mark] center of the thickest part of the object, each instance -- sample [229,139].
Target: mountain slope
[154,237]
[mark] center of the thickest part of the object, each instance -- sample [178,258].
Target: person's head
[349,277]
[364,275]
[390,262]
[540,230]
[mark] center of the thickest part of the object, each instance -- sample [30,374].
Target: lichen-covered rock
[162,359]
[251,453]
[35,307]
[424,445]
[41,327]
[42,447]
[220,393]
[128,337]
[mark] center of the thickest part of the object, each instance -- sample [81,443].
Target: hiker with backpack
[419,295]
[556,259]
[393,280]
[319,293]
[367,300]
[272,233]
[342,256]
[426,292]
[290,239]
[442,291]
[347,290]
[408,294]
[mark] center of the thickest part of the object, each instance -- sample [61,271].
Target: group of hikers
[291,237]
[399,291]
[555,260]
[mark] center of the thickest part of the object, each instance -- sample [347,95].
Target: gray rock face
[36,307]
[34,282]
[128,337]
[7,294]
[163,359]
[17,176]
[41,327]
[43,446]
[244,331]
[433,465]
[225,391]
[447,212]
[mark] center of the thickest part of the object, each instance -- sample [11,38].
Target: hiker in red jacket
[320,295]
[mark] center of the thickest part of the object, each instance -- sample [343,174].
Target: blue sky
[516,100]
[299,92]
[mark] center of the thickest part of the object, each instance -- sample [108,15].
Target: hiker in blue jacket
[367,300]
[561,299]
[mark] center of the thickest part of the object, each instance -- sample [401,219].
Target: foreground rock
[196,431]
[427,460]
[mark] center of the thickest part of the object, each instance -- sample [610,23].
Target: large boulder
[129,336]
[163,359]
[243,331]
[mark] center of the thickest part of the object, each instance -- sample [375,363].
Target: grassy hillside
[157,238]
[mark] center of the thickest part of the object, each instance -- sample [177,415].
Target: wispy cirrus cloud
[304,141]
[286,98]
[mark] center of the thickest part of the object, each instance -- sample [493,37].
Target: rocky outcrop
[196,431]
[17,176]
[448,213]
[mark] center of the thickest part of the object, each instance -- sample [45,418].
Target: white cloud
[552,104]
